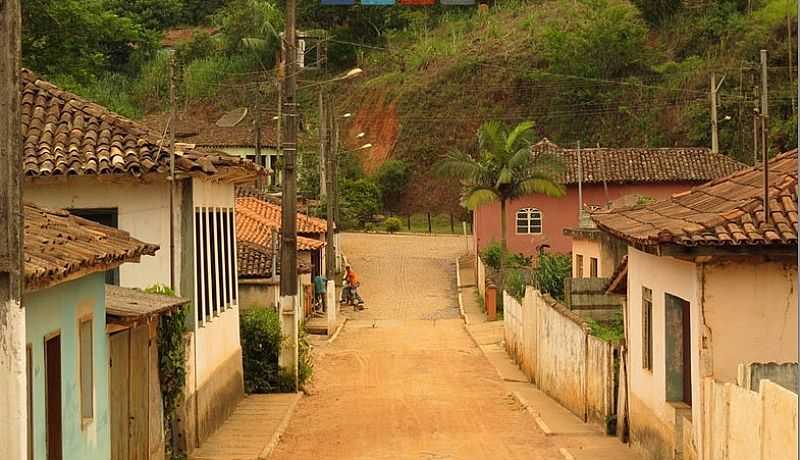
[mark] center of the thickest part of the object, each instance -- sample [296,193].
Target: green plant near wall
[172,367]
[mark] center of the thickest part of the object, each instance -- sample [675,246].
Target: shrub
[392,178]
[491,257]
[551,272]
[359,201]
[392,224]
[261,337]
[515,282]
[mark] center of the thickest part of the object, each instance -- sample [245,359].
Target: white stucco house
[82,157]
[711,283]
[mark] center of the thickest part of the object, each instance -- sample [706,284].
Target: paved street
[404,380]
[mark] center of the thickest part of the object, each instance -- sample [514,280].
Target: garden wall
[741,424]
[553,347]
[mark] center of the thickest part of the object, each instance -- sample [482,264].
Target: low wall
[553,347]
[480,276]
[751,375]
[740,424]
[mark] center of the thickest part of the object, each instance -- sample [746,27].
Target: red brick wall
[557,214]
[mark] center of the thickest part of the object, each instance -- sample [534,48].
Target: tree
[79,38]
[505,169]
[392,178]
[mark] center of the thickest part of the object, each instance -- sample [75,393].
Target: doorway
[52,357]
[678,349]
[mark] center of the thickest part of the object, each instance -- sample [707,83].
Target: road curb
[460,293]
[276,436]
[338,330]
[539,420]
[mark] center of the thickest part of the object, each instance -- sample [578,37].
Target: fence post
[430,228]
[409,222]
[452,224]
[490,301]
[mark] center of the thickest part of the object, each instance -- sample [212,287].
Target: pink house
[608,174]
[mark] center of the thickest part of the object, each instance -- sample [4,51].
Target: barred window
[215,262]
[647,328]
[529,221]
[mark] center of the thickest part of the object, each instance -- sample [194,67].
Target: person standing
[320,291]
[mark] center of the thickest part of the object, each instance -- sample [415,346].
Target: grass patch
[440,224]
[611,330]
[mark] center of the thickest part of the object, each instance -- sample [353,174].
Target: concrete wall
[58,310]
[481,269]
[745,425]
[742,310]
[751,309]
[259,293]
[751,375]
[218,371]
[557,214]
[652,417]
[587,249]
[553,347]
[143,211]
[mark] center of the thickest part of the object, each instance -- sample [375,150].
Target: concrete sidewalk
[575,439]
[252,431]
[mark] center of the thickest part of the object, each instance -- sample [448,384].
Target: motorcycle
[350,296]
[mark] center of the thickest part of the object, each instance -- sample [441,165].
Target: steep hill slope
[594,71]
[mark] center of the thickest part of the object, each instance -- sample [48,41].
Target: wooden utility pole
[172,121]
[13,399]
[756,125]
[289,323]
[714,120]
[257,132]
[764,136]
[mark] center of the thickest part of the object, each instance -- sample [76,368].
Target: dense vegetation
[613,72]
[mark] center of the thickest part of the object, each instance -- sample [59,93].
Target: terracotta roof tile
[127,306]
[255,261]
[59,245]
[272,213]
[640,165]
[64,134]
[726,212]
[256,227]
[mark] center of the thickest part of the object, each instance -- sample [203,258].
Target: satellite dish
[232,118]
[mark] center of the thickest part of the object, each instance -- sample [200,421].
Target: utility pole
[580,186]
[756,124]
[172,283]
[333,151]
[288,291]
[323,140]
[330,185]
[257,130]
[714,121]
[13,398]
[764,137]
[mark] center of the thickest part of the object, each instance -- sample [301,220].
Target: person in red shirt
[350,291]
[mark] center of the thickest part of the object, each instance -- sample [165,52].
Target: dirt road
[404,380]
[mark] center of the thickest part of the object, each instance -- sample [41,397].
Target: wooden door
[52,356]
[687,353]
[139,396]
[119,380]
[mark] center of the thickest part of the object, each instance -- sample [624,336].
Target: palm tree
[504,169]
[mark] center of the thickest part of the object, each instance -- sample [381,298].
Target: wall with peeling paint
[58,310]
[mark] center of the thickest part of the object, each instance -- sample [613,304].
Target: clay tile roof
[60,247]
[64,134]
[640,165]
[272,213]
[198,125]
[255,227]
[128,306]
[255,261]
[726,212]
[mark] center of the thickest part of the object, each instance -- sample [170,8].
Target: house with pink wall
[606,175]
[710,284]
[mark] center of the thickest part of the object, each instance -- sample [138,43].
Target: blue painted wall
[59,309]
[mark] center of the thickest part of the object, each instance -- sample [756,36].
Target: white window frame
[527,214]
